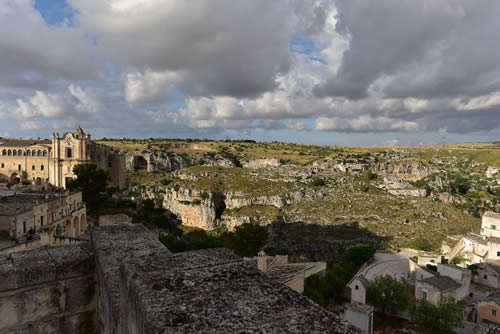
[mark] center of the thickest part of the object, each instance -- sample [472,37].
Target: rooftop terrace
[19,203]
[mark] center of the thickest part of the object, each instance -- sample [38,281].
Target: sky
[330,72]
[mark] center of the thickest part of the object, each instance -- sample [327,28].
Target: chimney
[262,261]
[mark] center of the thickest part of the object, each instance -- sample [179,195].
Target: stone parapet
[126,281]
[48,290]
[112,245]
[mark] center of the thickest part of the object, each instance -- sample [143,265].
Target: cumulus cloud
[347,66]
[32,52]
[364,123]
[152,86]
[425,48]
[44,105]
[232,48]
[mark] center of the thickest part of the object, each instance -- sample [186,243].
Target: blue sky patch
[54,11]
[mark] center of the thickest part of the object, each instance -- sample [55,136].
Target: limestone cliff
[169,161]
[405,170]
[203,209]
[262,163]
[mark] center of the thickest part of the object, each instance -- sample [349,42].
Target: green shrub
[422,244]
[371,175]
[246,240]
[364,187]
[318,181]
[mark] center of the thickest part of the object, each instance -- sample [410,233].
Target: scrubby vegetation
[331,287]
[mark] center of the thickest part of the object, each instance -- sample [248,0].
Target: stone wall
[126,281]
[48,290]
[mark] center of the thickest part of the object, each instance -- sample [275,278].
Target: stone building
[126,281]
[448,281]
[52,162]
[477,248]
[56,218]
[291,274]
[360,316]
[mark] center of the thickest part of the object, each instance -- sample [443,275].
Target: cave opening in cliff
[140,163]
[220,205]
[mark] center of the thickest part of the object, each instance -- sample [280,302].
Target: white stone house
[360,316]
[358,286]
[478,248]
[449,281]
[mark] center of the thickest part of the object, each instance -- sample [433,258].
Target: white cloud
[85,103]
[33,52]
[364,123]
[152,86]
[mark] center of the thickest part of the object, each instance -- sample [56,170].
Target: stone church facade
[44,161]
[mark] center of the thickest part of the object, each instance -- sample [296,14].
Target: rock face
[492,171]
[398,187]
[168,161]
[406,170]
[194,211]
[449,198]
[204,209]
[262,163]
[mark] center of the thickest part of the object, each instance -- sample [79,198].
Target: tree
[92,181]
[246,240]
[359,254]
[422,244]
[442,319]
[389,294]
[460,184]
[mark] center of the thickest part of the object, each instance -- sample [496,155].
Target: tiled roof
[442,283]
[23,142]
[488,327]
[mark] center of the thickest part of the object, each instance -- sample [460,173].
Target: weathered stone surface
[48,290]
[170,161]
[203,213]
[112,244]
[262,163]
[213,291]
[140,287]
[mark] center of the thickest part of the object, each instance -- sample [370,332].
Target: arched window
[9,152]
[19,152]
[14,152]
[39,153]
[44,153]
[4,152]
[28,153]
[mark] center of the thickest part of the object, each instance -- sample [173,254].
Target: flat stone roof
[205,291]
[476,238]
[19,203]
[451,265]
[442,283]
[215,291]
[285,272]
[288,272]
[491,214]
